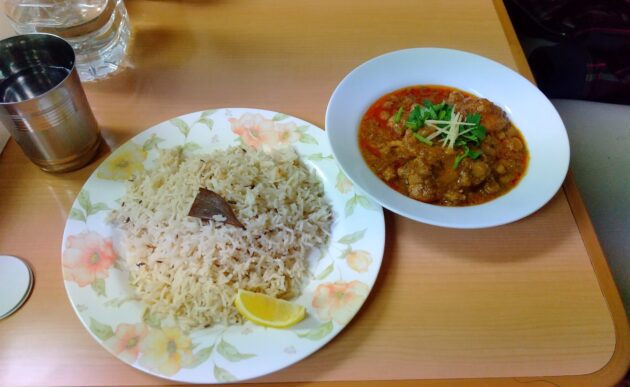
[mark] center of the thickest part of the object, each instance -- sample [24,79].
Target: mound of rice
[191,270]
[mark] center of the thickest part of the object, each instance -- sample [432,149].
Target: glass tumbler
[97,30]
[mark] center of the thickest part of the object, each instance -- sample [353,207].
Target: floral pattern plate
[97,282]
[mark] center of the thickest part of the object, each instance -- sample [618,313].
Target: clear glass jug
[98,30]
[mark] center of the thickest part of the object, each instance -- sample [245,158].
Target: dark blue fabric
[589,54]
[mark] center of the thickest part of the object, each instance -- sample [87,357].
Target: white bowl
[525,105]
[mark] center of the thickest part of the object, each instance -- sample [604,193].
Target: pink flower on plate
[87,257]
[260,132]
[359,260]
[166,350]
[339,301]
[126,341]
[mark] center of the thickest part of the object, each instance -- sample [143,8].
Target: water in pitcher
[98,30]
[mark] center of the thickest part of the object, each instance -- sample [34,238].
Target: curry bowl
[526,108]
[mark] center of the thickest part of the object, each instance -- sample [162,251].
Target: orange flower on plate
[359,260]
[260,132]
[166,350]
[339,301]
[87,257]
[126,341]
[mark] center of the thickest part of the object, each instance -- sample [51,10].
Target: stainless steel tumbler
[42,102]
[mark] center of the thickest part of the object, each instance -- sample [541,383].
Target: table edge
[619,362]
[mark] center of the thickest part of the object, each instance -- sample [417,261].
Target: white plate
[526,106]
[97,283]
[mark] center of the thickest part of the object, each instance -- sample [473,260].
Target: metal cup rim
[72,69]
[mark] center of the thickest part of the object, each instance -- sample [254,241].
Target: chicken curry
[443,146]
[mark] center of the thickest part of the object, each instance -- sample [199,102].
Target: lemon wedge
[268,311]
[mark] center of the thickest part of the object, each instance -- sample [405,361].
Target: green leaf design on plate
[318,333]
[191,147]
[326,272]
[100,330]
[200,357]
[345,252]
[209,122]
[222,375]
[359,200]
[88,207]
[322,252]
[151,319]
[301,129]
[81,307]
[230,352]
[352,238]
[181,125]
[306,138]
[84,200]
[77,214]
[366,203]
[152,143]
[319,157]
[279,117]
[208,113]
[98,207]
[99,287]
[350,205]
[119,301]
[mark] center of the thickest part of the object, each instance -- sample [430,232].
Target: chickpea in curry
[443,146]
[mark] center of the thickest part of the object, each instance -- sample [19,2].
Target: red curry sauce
[433,173]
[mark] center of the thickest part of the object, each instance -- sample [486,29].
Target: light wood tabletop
[530,303]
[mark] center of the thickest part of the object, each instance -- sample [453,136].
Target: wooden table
[531,303]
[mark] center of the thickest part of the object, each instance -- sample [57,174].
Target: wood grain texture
[510,305]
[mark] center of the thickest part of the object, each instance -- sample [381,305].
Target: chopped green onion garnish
[473,118]
[422,139]
[416,119]
[398,115]
[474,154]
[458,160]
[451,128]
[467,153]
